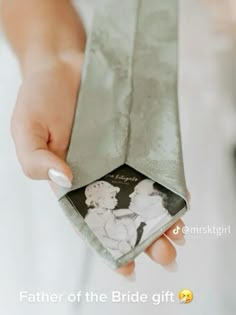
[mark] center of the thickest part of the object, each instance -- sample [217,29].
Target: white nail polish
[131,277]
[172,267]
[180,242]
[59,178]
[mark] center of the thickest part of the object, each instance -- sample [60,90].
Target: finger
[127,270]
[37,161]
[161,251]
[175,232]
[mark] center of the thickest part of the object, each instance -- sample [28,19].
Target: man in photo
[154,205]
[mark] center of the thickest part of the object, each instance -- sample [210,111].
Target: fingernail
[180,242]
[172,267]
[59,178]
[131,277]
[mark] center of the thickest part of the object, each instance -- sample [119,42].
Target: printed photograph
[124,208]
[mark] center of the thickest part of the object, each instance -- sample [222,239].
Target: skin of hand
[49,43]
[42,119]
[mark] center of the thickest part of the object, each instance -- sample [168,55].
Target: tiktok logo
[176,230]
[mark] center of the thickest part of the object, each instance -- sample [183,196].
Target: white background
[41,252]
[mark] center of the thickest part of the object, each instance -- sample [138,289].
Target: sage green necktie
[127,108]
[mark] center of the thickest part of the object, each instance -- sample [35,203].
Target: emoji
[185,296]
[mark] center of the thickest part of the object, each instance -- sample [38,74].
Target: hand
[41,127]
[49,44]
[43,116]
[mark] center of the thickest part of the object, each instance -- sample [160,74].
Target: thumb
[37,161]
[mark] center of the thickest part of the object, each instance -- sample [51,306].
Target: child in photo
[115,228]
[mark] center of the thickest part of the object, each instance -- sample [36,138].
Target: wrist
[52,31]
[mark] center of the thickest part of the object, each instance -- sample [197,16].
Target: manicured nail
[59,178]
[180,242]
[172,267]
[131,277]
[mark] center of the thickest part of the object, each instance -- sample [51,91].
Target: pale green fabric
[128,106]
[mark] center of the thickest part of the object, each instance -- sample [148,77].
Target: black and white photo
[124,208]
